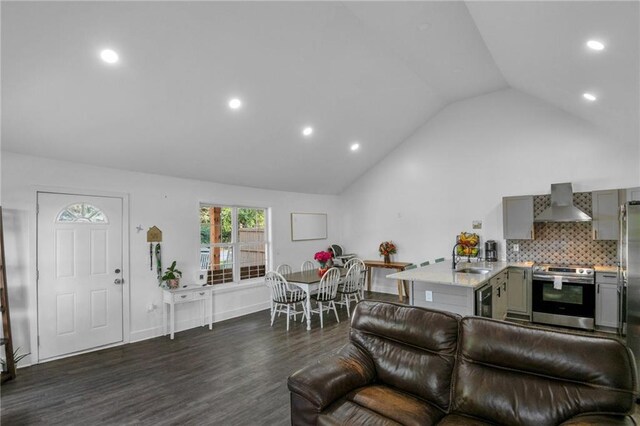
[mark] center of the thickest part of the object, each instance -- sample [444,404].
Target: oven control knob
[580,271]
[589,272]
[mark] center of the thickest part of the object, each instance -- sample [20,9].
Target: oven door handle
[568,280]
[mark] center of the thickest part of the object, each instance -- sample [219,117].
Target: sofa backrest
[413,349]
[512,374]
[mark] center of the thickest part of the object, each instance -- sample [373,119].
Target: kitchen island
[440,287]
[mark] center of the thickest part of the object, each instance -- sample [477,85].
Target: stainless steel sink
[473,270]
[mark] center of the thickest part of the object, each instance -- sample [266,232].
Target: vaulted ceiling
[366,72]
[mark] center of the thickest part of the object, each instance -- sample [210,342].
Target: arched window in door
[81,213]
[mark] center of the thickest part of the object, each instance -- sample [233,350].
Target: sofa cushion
[396,405]
[381,404]
[345,413]
[458,420]
[511,374]
[413,349]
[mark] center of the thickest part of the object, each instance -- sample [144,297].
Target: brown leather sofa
[413,366]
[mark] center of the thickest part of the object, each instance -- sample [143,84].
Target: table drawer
[606,277]
[199,295]
[183,297]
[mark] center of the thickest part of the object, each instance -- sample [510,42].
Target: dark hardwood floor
[233,375]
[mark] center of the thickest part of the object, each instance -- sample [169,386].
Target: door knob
[118,281]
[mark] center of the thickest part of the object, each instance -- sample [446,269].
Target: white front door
[80,292]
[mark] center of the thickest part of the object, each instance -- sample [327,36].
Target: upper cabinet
[633,194]
[605,215]
[517,217]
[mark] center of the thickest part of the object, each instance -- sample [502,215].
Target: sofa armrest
[599,419]
[333,377]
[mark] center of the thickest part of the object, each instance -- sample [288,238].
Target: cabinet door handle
[595,234]
[498,289]
[183,296]
[609,276]
[598,288]
[202,293]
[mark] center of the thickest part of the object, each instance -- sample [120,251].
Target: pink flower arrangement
[323,257]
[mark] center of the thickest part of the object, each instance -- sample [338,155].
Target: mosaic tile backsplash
[564,243]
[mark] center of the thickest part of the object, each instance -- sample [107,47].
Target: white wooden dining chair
[284,269]
[283,299]
[326,295]
[350,287]
[308,266]
[358,261]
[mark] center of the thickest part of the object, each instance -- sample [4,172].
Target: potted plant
[172,276]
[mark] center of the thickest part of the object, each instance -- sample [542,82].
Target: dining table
[308,281]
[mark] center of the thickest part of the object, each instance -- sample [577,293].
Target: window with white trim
[233,243]
[81,213]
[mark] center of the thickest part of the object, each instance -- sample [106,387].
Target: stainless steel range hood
[562,208]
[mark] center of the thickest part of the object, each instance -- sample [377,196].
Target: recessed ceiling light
[355,146]
[424,26]
[589,97]
[595,45]
[307,131]
[109,56]
[235,103]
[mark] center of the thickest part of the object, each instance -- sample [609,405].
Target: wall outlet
[429,295]
[151,307]
[516,247]
[202,277]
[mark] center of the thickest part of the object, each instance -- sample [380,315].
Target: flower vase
[387,258]
[322,270]
[173,283]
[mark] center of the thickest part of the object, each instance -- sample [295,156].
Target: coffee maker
[491,251]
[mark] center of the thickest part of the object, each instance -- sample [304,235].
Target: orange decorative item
[322,271]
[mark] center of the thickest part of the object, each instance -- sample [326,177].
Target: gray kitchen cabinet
[633,194]
[606,300]
[499,300]
[605,222]
[517,217]
[518,290]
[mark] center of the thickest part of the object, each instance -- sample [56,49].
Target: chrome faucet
[455,258]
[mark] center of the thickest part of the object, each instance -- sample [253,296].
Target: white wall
[169,203]
[459,165]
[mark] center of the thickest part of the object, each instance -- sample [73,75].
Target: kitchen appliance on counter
[629,276]
[564,295]
[491,251]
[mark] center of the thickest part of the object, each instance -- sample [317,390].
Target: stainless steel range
[564,295]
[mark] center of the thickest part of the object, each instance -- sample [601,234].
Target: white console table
[187,294]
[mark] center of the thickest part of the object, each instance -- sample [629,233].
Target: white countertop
[442,273]
[602,268]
